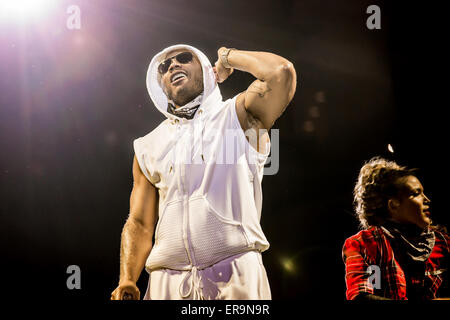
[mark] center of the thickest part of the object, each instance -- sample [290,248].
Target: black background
[72,102]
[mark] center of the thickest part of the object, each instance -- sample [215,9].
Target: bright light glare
[22,9]
[390,148]
[288,265]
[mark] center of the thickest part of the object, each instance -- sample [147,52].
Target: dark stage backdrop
[73,101]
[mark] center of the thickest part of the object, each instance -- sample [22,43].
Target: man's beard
[187,94]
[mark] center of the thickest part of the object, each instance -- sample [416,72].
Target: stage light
[288,265]
[23,9]
[390,148]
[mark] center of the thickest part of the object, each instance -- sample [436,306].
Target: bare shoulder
[138,176]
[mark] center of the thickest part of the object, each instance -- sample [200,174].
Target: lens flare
[23,9]
[288,265]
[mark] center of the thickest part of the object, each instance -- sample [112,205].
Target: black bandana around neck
[188,110]
[187,113]
[414,242]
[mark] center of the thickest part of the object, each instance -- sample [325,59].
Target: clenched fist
[222,72]
[127,290]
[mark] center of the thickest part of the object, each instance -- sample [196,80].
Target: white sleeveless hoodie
[208,178]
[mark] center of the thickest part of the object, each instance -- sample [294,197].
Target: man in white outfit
[198,176]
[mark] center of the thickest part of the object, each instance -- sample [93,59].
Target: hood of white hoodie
[157,94]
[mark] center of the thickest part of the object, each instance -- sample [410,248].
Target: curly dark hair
[378,181]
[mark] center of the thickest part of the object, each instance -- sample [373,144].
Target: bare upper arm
[267,99]
[144,200]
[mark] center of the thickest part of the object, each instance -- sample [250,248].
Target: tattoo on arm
[259,88]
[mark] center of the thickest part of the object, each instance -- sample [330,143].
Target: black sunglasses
[184,57]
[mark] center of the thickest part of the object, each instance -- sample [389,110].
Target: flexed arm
[276,80]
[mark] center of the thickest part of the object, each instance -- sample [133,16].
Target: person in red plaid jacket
[399,254]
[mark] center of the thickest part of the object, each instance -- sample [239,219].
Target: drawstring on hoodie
[202,123]
[198,134]
[195,285]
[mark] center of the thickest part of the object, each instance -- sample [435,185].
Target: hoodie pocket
[169,250]
[213,237]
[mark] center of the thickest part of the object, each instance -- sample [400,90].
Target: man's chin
[181,99]
[425,222]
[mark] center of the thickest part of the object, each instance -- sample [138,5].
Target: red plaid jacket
[372,247]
